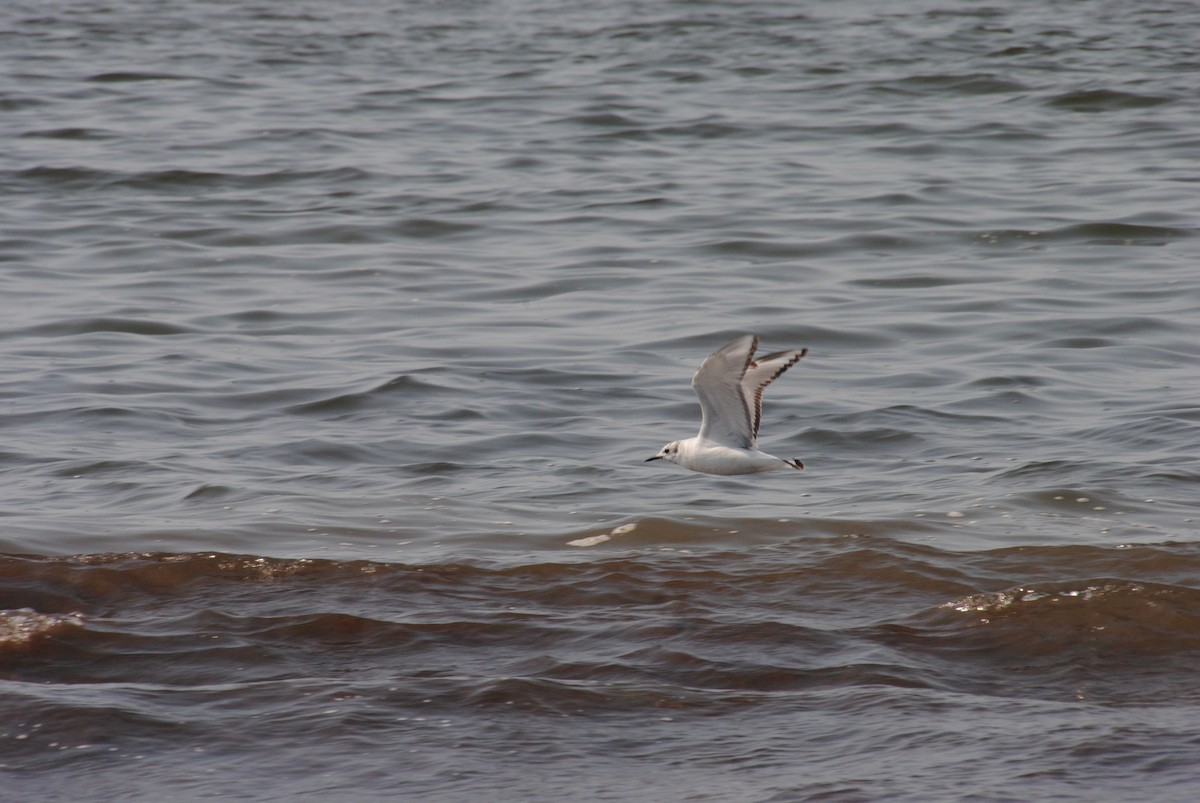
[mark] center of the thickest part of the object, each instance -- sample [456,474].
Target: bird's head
[668,452]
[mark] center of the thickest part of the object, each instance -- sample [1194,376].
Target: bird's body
[730,384]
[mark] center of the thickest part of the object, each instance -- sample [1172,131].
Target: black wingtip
[796,464]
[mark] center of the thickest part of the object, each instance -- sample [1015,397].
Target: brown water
[333,339]
[850,666]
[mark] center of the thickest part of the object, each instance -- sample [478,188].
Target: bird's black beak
[656,457]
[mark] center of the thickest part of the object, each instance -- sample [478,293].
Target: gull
[730,385]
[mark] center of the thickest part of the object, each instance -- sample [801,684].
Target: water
[334,338]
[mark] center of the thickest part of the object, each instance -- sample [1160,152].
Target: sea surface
[333,338]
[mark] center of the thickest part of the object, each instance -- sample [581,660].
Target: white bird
[730,385]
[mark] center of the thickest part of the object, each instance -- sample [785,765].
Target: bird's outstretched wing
[726,417]
[759,374]
[730,385]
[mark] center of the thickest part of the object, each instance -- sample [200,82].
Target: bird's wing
[726,414]
[760,373]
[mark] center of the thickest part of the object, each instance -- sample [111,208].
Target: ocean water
[334,338]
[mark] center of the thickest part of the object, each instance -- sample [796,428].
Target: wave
[785,617]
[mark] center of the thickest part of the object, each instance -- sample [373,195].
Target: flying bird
[730,385]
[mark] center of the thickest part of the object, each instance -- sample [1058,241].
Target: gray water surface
[303,304]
